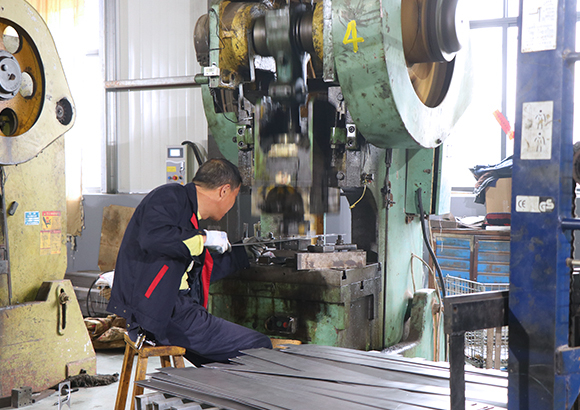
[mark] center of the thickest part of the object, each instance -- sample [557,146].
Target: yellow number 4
[351,36]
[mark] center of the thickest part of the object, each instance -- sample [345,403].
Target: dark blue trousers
[207,338]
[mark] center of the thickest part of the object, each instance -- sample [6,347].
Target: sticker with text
[32,218]
[534,204]
[50,234]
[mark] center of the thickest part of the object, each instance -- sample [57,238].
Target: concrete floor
[101,397]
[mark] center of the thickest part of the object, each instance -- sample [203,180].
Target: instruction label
[539,25]
[534,204]
[537,120]
[32,218]
[50,234]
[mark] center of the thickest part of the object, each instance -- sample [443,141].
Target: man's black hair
[217,172]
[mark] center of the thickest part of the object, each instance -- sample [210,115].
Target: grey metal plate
[318,377]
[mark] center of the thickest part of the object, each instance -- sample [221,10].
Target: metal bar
[5,227]
[499,22]
[156,83]
[570,224]
[572,57]
[572,262]
[190,394]
[489,349]
[375,359]
[110,13]
[497,358]
[474,260]
[457,370]
[504,64]
[437,375]
[268,241]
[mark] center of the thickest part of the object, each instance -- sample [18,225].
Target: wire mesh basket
[480,345]
[97,300]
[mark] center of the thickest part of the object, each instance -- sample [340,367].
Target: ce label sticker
[534,204]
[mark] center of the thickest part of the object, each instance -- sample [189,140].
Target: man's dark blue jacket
[152,259]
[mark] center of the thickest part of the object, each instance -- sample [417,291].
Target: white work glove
[218,241]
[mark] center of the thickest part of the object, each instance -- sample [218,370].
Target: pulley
[36,106]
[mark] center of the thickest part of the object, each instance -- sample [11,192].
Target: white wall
[155,39]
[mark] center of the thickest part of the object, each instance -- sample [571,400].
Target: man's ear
[224,190]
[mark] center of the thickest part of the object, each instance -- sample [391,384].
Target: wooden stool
[146,351]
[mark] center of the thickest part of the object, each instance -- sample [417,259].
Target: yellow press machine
[42,335]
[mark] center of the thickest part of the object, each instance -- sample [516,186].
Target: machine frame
[543,364]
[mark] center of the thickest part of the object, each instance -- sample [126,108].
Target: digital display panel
[175,152]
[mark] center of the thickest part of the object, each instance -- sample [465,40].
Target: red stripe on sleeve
[207,268]
[156,281]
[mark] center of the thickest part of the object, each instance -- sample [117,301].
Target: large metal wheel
[405,71]
[433,32]
[21,81]
[36,106]
[431,81]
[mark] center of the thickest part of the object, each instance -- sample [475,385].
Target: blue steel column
[539,278]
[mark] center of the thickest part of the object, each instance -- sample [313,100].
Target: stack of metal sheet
[319,377]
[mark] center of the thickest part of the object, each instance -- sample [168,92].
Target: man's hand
[218,241]
[255,247]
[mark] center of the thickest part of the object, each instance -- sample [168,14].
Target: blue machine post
[544,372]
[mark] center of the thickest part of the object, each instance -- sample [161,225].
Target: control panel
[176,164]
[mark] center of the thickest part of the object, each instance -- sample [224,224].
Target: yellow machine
[42,335]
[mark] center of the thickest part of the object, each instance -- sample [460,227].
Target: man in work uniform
[164,267]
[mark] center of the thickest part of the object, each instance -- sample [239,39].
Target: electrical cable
[437,287]
[221,107]
[427,243]
[413,275]
[196,151]
[217,30]
[361,197]
[437,312]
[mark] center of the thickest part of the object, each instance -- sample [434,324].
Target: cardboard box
[499,198]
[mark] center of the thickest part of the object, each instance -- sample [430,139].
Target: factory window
[493,37]
[494,46]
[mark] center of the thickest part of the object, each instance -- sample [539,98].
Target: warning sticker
[50,234]
[537,120]
[50,220]
[50,242]
[534,204]
[539,25]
